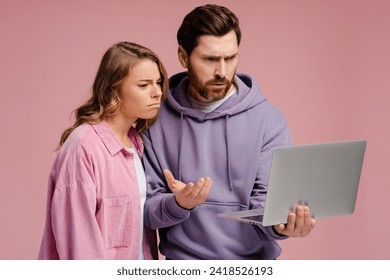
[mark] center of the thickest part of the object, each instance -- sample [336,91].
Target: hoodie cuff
[174,209]
[273,234]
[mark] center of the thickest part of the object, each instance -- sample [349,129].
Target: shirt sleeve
[73,207]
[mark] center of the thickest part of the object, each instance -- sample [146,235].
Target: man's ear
[183,57]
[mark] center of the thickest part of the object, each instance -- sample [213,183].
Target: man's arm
[299,223]
[169,201]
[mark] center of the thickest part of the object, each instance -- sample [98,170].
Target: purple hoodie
[233,146]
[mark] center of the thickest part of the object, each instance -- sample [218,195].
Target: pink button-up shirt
[93,203]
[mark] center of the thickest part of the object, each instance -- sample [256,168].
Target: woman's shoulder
[81,132]
[82,136]
[76,148]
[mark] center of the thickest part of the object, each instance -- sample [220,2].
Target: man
[210,151]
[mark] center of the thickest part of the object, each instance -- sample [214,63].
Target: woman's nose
[157,92]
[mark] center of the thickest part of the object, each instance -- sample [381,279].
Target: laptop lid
[323,176]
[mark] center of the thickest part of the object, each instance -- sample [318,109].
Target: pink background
[325,64]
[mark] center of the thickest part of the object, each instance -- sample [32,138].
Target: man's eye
[230,58]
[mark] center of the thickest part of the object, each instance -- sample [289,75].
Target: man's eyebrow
[219,56]
[232,55]
[210,55]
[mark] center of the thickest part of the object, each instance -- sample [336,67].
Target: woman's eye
[143,85]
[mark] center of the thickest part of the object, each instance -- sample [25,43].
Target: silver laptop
[323,176]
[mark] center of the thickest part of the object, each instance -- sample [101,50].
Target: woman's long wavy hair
[105,101]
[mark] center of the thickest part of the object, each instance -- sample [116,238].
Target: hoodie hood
[248,95]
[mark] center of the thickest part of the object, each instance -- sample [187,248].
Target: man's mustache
[218,81]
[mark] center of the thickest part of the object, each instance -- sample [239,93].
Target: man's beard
[207,90]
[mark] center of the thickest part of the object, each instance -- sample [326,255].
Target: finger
[307,216]
[169,177]
[206,187]
[309,222]
[198,187]
[282,227]
[290,223]
[300,219]
[188,189]
[204,192]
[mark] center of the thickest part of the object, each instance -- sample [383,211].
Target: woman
[97,185]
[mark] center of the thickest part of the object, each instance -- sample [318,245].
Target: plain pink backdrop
[324,63]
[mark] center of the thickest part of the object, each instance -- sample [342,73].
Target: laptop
[323,176]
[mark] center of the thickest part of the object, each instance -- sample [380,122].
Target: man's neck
[210,106]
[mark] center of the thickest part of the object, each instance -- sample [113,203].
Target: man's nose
[220,70]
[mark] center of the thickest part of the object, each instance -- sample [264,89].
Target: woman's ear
[183,57]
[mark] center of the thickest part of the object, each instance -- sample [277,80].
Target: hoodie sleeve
[161,209]
[277,134]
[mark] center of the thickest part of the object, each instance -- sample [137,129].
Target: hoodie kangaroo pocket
[117,222]
[214,236]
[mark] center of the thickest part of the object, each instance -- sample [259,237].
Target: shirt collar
[111,142]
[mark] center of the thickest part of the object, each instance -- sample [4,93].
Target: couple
[208,152]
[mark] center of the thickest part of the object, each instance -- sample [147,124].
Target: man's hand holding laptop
[299,224]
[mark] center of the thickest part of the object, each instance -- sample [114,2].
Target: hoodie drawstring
[180,142]
[227,148]
[227,153]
